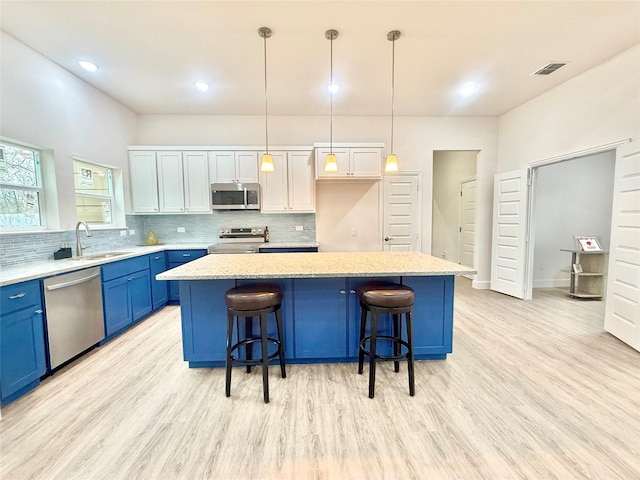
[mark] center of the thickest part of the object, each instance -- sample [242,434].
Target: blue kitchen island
[320,309]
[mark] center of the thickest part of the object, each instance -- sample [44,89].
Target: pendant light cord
[393,84]
[331,108]
[266,112]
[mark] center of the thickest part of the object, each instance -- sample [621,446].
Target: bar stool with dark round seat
[249,301]
[382,298]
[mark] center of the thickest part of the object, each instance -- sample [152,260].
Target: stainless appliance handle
[72,282]
[246,197]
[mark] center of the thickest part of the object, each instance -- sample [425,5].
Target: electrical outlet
[354,232]
[299,228]
[132,232]
[123,233]
[181,230]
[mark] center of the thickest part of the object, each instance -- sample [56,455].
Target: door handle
[386,239]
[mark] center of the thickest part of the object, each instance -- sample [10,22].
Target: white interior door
[401,210]
[622,314]
[510,233]
[467,235]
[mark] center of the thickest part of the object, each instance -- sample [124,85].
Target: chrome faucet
[87,230]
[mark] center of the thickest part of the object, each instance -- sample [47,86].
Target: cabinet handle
[129,279]
[157,258]
[38,311]
[342,292]
[352,291]
[186,254]
[17,295]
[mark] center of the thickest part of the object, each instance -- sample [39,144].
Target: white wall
[573,197]
[48,107]
[342,207]
[449,169]
[598,107]
[415,139]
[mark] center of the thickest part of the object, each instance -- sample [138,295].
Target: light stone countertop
[34,270]
[314,265]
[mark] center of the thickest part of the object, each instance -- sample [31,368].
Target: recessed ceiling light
[88,66]
[202,86]
[333,88]
[468,89]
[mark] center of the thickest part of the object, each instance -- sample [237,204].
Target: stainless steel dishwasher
[73,303]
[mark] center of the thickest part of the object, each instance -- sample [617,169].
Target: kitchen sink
[97,256]
[100,256]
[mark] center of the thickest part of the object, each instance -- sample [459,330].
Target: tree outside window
[21,191]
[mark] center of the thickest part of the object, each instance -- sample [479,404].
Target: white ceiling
[151,52]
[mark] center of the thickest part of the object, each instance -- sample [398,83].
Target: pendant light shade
[331,163]
[266,164]
[392,160]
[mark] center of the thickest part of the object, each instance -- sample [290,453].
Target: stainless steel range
[239,240]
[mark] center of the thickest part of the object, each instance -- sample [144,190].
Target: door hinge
[460,229]
[460,192]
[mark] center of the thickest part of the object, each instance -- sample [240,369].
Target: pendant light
[266,165]
[392,160]
[331,164]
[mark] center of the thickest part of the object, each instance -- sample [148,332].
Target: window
[21,193]
[94,192]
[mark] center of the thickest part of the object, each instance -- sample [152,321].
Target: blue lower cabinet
[116,304]
[22,346]
[159,288]
[432,315]
[175,259]
[126,293]
[320,307]
[204,324]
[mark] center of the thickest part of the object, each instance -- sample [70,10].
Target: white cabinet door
[274,186]
[246,167]
[170,182]
[301,182]
[144,182]
[365,162]
[197,190]
[222,167]
[342,159]
[231,167]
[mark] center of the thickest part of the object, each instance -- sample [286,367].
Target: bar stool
[249,301]
[381,298]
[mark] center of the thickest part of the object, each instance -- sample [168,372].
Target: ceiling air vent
[549,68]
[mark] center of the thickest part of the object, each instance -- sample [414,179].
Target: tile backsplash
[20,248]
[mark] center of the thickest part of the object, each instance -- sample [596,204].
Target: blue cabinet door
[139,291]
[22,355]
[177,258]
[204,320]
[432,314]
[116,304]
[320,310]
[159,288]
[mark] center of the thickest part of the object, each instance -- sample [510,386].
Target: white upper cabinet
[197,190]
[144,182]
[353,162]
[170,181]
[290,188]
[229,166]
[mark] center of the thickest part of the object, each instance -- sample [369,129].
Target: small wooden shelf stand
[590,282]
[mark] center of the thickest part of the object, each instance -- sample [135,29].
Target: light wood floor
[532,390]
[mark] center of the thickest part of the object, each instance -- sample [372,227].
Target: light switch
[181,230]
[299,228]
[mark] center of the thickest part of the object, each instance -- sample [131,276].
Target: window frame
[111,187]
[38,188]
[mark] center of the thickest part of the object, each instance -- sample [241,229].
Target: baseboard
[551,283]
[481,284]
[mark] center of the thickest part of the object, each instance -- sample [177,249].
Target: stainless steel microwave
[235,196]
